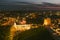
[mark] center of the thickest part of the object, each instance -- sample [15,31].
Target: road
[55,31]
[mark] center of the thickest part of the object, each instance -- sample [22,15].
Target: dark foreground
[34,34]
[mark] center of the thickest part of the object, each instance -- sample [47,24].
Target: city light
[47,21]
[30,21]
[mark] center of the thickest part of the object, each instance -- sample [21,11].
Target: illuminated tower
[47,21]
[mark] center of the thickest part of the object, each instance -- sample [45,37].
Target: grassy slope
[34,34]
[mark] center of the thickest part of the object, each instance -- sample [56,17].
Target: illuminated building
[47,21]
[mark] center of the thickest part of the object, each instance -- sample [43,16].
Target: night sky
[33,1]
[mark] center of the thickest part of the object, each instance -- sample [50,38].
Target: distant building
[47,21]
[22,27]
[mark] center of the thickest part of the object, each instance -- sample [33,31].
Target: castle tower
[47,21]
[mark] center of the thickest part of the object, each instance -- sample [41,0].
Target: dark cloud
[3,0]
[35,1]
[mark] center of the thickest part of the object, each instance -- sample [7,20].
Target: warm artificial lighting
[22,27]
[47,21]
